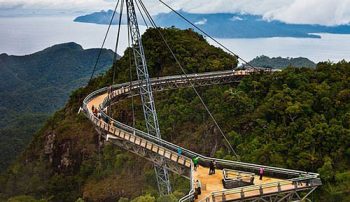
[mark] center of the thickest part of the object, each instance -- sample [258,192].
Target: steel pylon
[146,94]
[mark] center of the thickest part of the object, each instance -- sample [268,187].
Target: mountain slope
[34,86]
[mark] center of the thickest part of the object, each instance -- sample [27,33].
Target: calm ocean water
[20,36]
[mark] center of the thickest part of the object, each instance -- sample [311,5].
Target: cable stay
[104,41]
[206,34]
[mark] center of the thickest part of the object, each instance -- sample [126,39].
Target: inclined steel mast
[146,94]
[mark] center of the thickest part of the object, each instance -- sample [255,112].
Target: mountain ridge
[36,85]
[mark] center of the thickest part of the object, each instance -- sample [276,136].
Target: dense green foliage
[34,86]
[279,62]
[298,118]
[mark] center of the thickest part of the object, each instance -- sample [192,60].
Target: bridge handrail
[244,189]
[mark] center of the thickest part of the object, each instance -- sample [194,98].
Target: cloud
[201,22]
[326,12]
[57,4]
[236,18]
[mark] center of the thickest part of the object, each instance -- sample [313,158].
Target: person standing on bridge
[111,124]
[199,187]
[110,91]
[179,151]
[261,173]
[195,162]
[211,168]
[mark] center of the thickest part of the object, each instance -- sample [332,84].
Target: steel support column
[146,94]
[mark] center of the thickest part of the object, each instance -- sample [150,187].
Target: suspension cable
[104,41]
[117,41]
[130,75]
[138,8]
[206,34]
[183,71]
[114,64]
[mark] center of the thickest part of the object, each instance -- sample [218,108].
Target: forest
[33,87]
[298,118]
[279,62]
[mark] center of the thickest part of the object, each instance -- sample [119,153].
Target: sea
[26,35]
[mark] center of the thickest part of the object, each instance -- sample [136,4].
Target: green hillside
[32,87]
[279,62]
[297,118]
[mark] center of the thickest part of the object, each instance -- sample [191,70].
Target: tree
[327,171]
[145,198]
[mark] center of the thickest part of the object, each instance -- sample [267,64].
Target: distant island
[280,63]
[103,18]
[228,25]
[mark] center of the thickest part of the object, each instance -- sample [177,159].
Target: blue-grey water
[25,35]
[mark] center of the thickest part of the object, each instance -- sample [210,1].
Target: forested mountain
[279,62]
[34,86]
[297,118]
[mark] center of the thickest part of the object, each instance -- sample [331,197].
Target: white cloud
[201,22]
[57,4]
[328,12]
[236,18]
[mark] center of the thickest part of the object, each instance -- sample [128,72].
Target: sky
[324,12]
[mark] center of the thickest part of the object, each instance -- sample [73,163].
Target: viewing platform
[213,186]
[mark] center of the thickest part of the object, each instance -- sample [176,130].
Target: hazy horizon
[26,35]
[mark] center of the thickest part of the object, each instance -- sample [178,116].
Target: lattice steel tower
[146,94]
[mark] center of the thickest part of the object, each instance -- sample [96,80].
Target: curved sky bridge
[278,184]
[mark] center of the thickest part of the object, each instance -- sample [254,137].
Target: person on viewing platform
[179,151]
[261,173]
[110,92]
[95,112]
[211,168]
[111,123]
[198,187]
[300,181]
[195,162]
[215,166]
